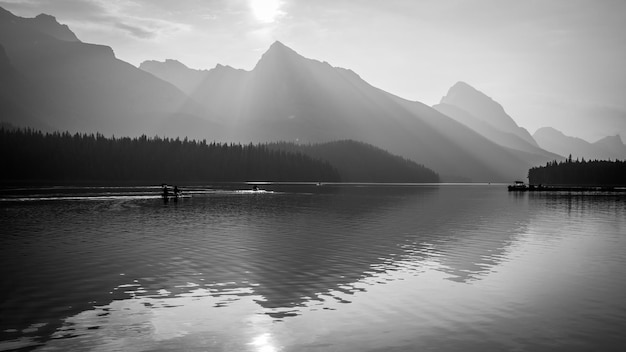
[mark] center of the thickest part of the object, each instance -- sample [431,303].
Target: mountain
[361,162]
[14,108]
[481,113]
[292,98]
[506,139]
[78,86]
[175,72]
[610,147]
[555,141]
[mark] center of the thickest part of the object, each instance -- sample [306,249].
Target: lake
[312,268]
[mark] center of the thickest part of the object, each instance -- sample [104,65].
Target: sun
[266,11]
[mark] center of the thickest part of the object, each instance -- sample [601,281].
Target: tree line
[580,172]
[31,155]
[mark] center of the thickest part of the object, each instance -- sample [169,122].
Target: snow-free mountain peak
[279,47]
[49,25]
[43,24]
[548,132]
[478,104]
[81,87]
[167,64]
[42,27]
[611,140]
[278,54]
[610,147]
[461,88]
[613,146]
[287,97]
[484,109]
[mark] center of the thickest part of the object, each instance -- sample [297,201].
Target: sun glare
[263,343]
[265,10]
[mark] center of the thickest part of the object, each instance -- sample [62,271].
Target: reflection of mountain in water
[333,243]
[479,235]
[289,249]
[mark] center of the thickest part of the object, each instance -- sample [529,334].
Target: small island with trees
[595,175]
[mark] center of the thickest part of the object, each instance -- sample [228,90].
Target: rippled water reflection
[305,268]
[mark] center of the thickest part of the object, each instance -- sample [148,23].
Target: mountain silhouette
[83,87]
[613,146]
[175,72]
[473,108]
[482,114]
[76,86]
[292,98]
[610,147]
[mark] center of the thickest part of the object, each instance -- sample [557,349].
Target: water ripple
[344,268]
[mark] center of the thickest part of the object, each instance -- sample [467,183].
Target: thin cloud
[58,8]
[136,31]
[149,28]
[100,15]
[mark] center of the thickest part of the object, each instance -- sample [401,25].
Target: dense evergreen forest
[583,173]
[32,156]
[361,162]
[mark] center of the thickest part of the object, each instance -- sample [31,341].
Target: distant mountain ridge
[613,145]
[83,87]
[610,147]
[42,23]
[289,97]
[175,72]
[78,86]
[478,111]
[485,109]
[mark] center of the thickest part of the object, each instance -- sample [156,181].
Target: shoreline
[565,188]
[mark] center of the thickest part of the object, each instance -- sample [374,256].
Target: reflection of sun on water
[265,10]
[262,343]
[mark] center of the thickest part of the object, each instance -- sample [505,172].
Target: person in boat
[165,192]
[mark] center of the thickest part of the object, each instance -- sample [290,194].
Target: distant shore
[567,188]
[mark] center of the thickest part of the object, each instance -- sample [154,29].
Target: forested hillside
[361,162]
[575,172]
[29,155]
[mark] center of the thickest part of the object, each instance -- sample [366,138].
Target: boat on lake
[518,186]
[166,194]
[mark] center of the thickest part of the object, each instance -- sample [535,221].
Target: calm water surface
[305,268]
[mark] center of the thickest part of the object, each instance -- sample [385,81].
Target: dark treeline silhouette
[580,172]
[29,155]
[361,162]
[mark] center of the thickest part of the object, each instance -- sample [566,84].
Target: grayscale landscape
[275,175]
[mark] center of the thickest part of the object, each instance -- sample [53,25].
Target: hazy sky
[558,63]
